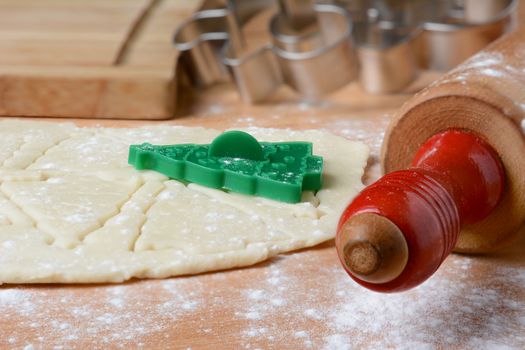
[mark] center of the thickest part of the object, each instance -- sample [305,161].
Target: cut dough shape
[73,210]
[71,206]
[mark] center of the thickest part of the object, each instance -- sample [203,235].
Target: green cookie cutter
[237,162]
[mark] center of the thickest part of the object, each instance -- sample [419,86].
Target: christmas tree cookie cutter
[237,162]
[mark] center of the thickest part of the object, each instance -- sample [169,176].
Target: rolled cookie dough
[73,210]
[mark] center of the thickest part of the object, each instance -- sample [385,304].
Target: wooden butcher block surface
[301,300]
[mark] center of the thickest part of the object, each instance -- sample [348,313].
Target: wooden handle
[485,95]
[464,138]
[397,232]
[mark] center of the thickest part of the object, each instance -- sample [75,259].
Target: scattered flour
[371,132]
[275,306]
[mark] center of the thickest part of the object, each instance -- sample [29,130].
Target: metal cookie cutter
[395,40]
[387,54]
[314,48]
[466,27]
[306,40]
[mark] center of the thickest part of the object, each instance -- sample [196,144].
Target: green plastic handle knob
[236,144]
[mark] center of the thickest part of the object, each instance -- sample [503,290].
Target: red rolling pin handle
[397,232]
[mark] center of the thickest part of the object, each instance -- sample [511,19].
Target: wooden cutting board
[301,300]
[89,58]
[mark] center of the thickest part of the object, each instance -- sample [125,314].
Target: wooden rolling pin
[462,143]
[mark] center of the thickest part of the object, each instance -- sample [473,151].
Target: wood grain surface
[87,58]
[301,300]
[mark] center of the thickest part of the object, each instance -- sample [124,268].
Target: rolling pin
[461,144]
